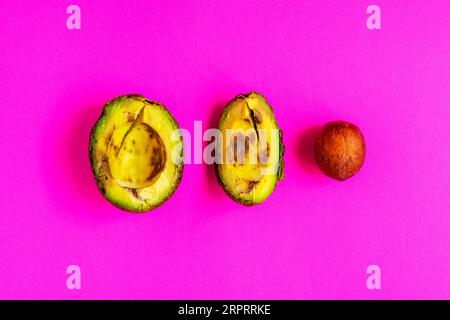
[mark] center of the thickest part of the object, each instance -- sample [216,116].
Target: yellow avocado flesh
[249,174]
[136,153]
[136,156]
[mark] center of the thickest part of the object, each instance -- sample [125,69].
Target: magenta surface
[315,61]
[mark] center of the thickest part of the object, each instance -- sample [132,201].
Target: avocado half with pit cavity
[136,153]
[249,155]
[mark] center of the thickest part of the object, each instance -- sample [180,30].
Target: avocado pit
[340,150]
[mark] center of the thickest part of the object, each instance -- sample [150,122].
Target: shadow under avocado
[305,149]
[213,184]
[65,158]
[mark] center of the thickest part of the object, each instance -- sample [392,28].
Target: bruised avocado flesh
[250,159]
[136,153]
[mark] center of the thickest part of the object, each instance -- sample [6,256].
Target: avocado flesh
[136,153]
[250,173]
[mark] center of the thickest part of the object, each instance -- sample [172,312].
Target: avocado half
[249,156]
[136,153]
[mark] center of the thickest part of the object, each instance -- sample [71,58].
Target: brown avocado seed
[340,150]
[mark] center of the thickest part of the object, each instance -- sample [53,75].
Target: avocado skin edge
[92,136]
[280,173]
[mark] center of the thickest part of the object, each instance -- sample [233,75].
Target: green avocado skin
[282,148]
[94,136]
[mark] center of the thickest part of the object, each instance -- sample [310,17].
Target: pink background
[315,61]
